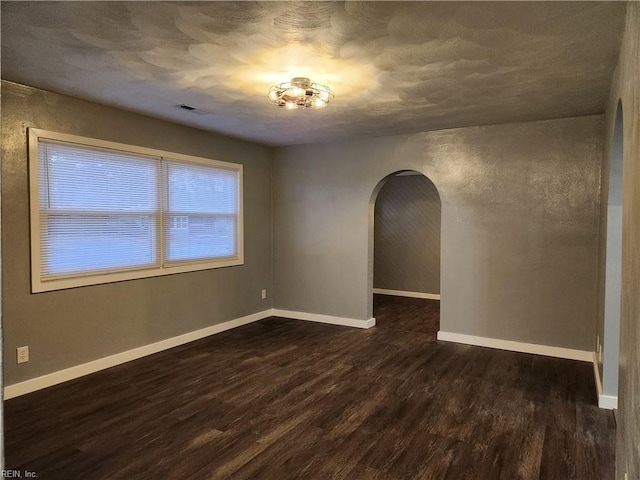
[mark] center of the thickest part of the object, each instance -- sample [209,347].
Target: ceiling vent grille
[191,109]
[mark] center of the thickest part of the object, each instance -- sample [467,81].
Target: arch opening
[404,250]
[610,347]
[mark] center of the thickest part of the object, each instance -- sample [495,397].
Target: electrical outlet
[22,354]
[264,293]
[626,476]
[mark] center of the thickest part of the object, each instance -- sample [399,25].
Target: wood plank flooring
[284,399]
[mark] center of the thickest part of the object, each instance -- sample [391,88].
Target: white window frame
[38,284]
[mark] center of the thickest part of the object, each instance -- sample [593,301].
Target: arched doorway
[613,274]
[406,253]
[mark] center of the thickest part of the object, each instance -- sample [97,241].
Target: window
[104,212]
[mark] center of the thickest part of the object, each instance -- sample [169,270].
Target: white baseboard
[610,402]
[596,374]
[67,374]
[548,351]
[315,317]
[401,293]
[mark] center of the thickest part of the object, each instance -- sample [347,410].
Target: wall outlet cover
[22,354]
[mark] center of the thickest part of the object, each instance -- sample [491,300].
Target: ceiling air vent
[191,109]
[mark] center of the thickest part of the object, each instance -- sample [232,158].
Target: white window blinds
[201,212]
[98,210]
[101,214]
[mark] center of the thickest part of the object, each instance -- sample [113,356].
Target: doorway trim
[609,349]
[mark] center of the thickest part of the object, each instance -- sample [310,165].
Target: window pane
[201,189]
[82,243]
[193,237]
[82,178]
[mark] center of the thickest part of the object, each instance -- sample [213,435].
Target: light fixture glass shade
[300,92]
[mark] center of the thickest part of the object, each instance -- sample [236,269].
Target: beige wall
[519,226]
[407,235]
[626,87]
[70,327]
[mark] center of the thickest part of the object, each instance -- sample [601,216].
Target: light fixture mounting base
[302,82]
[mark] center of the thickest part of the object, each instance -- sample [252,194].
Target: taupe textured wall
[519,226]
[407,235]
[74,326]
[626,87]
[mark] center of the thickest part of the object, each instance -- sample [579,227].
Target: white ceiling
[395,67]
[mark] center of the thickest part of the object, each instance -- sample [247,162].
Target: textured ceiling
[395,67]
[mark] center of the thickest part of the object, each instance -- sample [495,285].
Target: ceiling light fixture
[300,92]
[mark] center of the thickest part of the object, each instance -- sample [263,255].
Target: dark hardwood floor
[408,314]
[283,399]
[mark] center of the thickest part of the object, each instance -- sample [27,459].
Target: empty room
[320,240]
